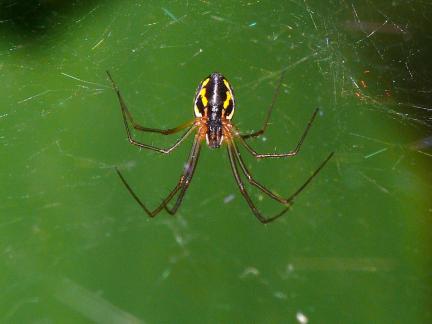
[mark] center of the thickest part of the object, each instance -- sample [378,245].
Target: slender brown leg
[269,111]
[290,200]
[308,180]
[184,180]
[158,149]
[190,166]
[278,155]
[251,179]
[127,116]
[149,212]
[245,194]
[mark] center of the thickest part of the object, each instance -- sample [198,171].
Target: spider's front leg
[127,117]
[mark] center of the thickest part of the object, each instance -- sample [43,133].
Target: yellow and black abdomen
[214,94]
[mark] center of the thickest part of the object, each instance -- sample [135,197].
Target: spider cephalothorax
[214,106]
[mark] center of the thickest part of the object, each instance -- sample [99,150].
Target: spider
[214,107]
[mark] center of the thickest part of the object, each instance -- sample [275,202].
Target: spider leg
[189,172]
[128,116]
[149,212]
[308,180]
[250,178]
[269,111]
[279,155]
[290,200]
[158,149]
[183,181]
[245,194]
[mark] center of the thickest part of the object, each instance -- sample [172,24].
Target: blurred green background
[76,248]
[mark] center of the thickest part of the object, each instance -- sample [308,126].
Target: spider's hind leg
[235,159]
[182,184]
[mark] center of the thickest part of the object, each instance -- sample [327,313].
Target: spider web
[355,245]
